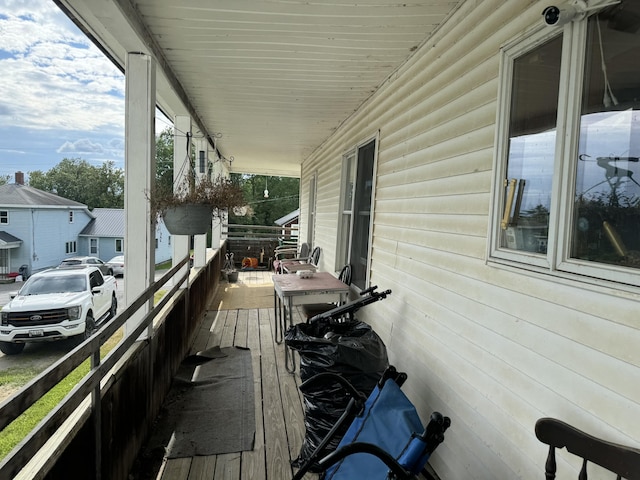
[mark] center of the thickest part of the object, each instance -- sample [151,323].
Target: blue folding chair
[386,439]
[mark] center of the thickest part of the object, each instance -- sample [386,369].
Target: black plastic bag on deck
[352,350]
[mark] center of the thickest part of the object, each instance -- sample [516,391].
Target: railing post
[96,408]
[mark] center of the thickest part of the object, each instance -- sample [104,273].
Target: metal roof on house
[6,239]
[287,218]
[108,222]
[17,195]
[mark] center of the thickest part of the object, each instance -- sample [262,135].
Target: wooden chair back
[622,460]
[345,274]
[314,258]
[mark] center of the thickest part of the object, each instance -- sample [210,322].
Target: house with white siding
[487,176]
[485,169]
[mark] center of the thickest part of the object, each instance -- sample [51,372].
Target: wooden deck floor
[278,407]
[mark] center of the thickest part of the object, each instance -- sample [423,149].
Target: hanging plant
[188,208]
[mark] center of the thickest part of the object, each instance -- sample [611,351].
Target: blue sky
[60,97]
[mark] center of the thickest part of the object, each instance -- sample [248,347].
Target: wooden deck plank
[291,402]
[177,468]
[242,326]
[277,449]
[203,468]
[227,467]
[215,333]
[202,337]
[253,462]
[229,329]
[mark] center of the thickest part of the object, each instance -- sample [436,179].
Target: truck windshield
[44,285]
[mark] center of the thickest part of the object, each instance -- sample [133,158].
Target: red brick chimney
[19,178]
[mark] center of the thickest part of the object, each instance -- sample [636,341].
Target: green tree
[164,159]
[4,179]
[283,198]
[78,180]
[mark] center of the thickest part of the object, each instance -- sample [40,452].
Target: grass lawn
[21,426]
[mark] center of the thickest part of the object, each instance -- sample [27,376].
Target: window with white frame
[356,212]
[311,217]
[93,246]
[119,247]
[568,150]
[4,217]
[70,216]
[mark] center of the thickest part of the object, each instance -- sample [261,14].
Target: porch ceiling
[269,79]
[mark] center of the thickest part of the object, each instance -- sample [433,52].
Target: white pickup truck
[57,304]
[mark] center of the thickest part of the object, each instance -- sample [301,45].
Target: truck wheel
[11,348]
[114,307]
[90,326]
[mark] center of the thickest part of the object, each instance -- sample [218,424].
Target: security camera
[558,16]
[573,10]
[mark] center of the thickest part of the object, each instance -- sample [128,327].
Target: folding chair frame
[410,461]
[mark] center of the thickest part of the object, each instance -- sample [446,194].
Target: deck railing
[258,241]
[130,397]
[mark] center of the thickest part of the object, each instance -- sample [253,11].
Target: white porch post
[202,171]
[140,167]
[181,169]
[216,231]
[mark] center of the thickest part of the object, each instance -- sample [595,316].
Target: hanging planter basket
[188,219]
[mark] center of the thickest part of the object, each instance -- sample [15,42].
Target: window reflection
[606,217]
[532,137]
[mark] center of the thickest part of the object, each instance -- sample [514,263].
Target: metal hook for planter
[228,264]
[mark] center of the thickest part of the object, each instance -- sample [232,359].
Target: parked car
[117,265]
[57,304]
[87,262]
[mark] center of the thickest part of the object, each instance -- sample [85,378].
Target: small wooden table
[290,290]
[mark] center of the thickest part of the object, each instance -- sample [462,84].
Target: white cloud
[81,146]
[53,76]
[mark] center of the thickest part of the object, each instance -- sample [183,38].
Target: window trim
[340,242]
[557,261]
[4,217]
[343,239]
[94,246]
[118,246]
[313,205]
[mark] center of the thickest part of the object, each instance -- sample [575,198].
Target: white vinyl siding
[494,348]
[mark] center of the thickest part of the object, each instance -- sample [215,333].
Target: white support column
[140,167]
[219,170]
[181,168]
[202,171]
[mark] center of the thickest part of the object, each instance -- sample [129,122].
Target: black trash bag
[352,350]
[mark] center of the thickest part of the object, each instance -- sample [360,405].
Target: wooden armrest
[620,459]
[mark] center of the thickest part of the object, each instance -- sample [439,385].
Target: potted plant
[189,208]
